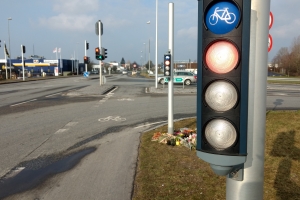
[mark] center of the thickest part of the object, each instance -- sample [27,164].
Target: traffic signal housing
[167,64]
[98,54]
[87,46]
[222,91]
[103,52]
[86,59]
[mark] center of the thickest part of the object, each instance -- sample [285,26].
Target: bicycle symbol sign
[222,17]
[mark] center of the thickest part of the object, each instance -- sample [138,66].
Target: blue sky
[42,25]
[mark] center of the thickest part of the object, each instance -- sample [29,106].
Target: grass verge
[175,172]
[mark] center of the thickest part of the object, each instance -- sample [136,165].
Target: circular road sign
[270,43]
[222,17]
[271,20]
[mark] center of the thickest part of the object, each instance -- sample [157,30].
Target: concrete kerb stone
[176,90]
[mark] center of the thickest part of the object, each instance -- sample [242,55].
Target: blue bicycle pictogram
[223,15]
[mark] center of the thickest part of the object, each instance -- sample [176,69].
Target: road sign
[86,74]
[97,27]
[271,20]
[270,43]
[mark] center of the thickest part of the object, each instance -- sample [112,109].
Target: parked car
[124,72]
[187,77]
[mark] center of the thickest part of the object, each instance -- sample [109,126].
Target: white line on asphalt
[60,131]
[149,124]
[53,94]
[23,102]
[71,123]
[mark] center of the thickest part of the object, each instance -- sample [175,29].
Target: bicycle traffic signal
[167,64]
[222,92]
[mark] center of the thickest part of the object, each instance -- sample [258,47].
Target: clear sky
[42,25]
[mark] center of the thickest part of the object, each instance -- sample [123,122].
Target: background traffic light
[103,52]
[167,64]
[86,59]
[87,46]
[222,91]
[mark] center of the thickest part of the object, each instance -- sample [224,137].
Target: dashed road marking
[60,131]
[23,102]
[71,123]
[53,94]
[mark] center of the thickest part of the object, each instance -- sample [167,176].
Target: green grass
[175,172]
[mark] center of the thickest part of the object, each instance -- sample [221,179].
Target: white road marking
[23,102]
[116,118]
[71,123]
[53,94]
[60,131]
[149,124]
[125,99]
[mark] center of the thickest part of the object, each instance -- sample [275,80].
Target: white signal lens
[167,67]
[222,57]
[220,134]
[221,96]
[167,73]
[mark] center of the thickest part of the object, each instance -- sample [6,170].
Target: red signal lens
[167,62]
[222,57]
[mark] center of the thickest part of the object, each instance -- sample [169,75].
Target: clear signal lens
[220,134]
[222,57]
[167,68]
[221,96]
[167,73]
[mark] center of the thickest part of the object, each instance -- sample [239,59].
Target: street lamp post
[9,51]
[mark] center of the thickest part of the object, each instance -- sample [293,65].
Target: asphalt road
[72,139]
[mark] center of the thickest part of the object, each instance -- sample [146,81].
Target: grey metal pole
[149,57]
[23,62]
[9,49]
[170,88]
[100,68]
[6,63]
[85,55]
[77,62]
[156,43]
[251,188]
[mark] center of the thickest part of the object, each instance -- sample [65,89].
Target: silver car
[180,77]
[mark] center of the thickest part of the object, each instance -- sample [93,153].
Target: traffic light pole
[85,55]
[23,63]
[251,188]
[171,88]
[100,67]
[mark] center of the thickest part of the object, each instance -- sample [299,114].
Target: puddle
[25,178]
